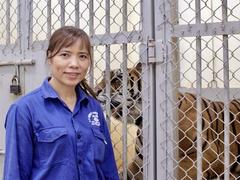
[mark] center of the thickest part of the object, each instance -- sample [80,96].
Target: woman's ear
[48,57]
[49,61]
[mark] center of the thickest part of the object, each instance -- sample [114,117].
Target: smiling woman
[69,58]
[69,66]
[58,131]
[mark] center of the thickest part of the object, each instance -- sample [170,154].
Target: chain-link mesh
[115,31]
[9,24]
[201,89]
[118,86]
[199,53]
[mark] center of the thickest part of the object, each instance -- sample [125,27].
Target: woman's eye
[64,54]
[83,57]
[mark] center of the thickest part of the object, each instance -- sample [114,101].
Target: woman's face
[70,65]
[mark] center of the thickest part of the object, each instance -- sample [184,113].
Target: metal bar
[148,91]
[91,18]
[108,68]
[77,13]
[213,82]
[166,74]
[172,75]
[19,23]
[91,32]
[198,93]
[125,90]
[49,19]
[23,25]
[107,16]
[30,29]
[125,110]
[199,107]
[97,40]
[226,108]
[206,29]
[8,19]
[108,83]
[117,38]
[62,13]
[160,167]
[19,62]
[226,95]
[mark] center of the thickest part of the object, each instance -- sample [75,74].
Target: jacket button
[78,135]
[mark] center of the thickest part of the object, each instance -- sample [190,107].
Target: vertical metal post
[173,51]
[91,33]
[107,53]
[213,83]
[125,91]
[23,25]
[91,18]
[226,94]
[8,19]
[20,19]
[198,92]
[30,30]
[165,13]
[77,11]
[148,96]
[49,19]
[62,12]
[24,20]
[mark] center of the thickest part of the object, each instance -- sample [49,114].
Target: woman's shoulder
[29,97]
[87,96]
[94,101]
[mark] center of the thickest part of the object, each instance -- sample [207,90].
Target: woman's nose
[74,61]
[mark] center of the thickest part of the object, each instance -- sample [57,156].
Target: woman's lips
[72,74]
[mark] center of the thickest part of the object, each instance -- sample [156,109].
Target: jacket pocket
[52,145]
[51,134]
[99,145]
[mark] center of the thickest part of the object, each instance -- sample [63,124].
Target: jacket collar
[50,93]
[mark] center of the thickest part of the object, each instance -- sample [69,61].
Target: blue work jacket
[46,141]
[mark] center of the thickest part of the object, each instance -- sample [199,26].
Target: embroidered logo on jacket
[93,118]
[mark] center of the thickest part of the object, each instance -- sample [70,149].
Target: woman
[58,131]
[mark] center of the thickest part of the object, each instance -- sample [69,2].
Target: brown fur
[212,137]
